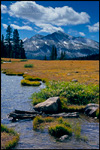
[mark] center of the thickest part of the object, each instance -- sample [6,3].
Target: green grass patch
[30,83]
[23,60]
[39,119]
[30,78]
[6,141]
[70,93]
[59,130]
[28,66]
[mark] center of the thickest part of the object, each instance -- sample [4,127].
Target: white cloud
[81,33]
[48,16]
[4,25]
[21,28]
[17,27]
[49,28]
[3,9]
[94,28]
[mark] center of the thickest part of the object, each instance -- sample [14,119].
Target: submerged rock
[90,109]
[51,105]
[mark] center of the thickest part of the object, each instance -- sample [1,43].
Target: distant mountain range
[39,46]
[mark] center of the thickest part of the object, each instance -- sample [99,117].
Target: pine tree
[16,52]
[63,55]
[8,41]
[45,57]
[22,51]
[3,49]
[53,53]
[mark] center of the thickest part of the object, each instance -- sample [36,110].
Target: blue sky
[77,18]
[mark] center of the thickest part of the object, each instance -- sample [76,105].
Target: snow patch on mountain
[38,46]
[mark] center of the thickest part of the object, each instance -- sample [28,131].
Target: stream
[14,96]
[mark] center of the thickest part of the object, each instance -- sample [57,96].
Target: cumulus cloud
[94,28]
[81,33]
[49,28]
[3,9]
[18,27]
[47,17]
[4,25]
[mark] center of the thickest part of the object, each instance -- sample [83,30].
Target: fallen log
[18,114]
[26,112]
[65,115]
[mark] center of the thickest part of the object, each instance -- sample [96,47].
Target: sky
[76,18]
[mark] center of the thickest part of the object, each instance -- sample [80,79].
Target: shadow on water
[14,96]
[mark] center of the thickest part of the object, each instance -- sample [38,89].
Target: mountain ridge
[39,46]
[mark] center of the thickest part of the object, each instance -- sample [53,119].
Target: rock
[90,109]
[62,138]
[68,74]
[74,80]
[51,105]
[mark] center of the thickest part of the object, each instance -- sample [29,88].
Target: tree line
[53,55]
[12,47]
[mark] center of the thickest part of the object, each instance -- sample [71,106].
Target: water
[14,96]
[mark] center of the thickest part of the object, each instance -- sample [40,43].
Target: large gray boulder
[90,109]
[51,105]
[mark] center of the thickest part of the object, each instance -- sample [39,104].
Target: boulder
[74,80]
[90,109]
[62,138]
[51,105]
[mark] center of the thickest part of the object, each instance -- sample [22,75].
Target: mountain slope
[38,46]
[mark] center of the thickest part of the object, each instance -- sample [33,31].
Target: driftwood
[18,114]
[66,115]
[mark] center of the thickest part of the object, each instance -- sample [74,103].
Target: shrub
[59,130]
[30,83]
[28,66]
[71,93]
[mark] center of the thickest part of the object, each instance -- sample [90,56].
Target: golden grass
[85,71]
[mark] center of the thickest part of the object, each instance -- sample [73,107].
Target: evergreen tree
[16,47]
[22,51]
[8,41]
[53,53]
[63,55]
[45,57]
[3,49]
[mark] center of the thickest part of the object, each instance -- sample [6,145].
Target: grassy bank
[86,72]
[9,137]
[73,96]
